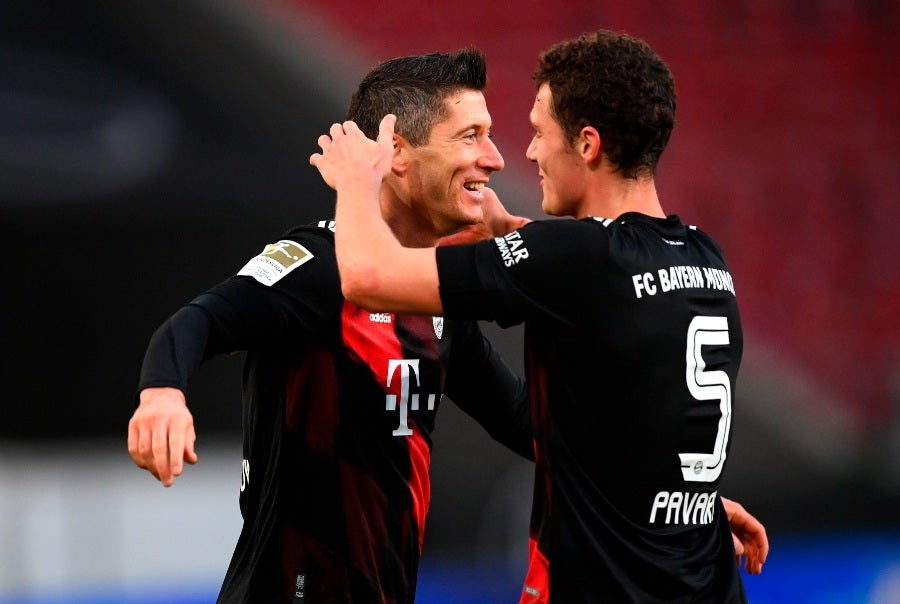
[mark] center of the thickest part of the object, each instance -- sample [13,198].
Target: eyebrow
[473,126]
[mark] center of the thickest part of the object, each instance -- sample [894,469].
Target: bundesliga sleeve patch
[275,261]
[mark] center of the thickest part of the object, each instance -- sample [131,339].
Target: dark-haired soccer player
[339,402]
[633,336]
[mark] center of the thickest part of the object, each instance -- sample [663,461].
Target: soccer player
[339,403]
[632,332]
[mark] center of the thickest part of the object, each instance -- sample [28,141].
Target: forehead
[543,101]
[464,109]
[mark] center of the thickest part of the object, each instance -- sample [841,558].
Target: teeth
[474,185]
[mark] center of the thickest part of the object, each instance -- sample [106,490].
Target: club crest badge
[438,323]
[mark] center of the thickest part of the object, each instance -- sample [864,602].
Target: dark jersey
[632,344]
[338,409]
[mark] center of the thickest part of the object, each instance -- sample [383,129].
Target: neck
[613,197]
[411,228]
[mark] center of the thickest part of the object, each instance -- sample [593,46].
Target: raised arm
[377,272]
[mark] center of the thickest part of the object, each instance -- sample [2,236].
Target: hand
[496,222]
[749,536]
[161,434]
[348,154]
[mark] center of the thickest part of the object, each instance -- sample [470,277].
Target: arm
[749,536]
[161,432]
[241,313]
[481,384]
[478,380]
[377,273]
[496,223]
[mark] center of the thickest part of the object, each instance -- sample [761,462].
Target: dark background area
[141,163]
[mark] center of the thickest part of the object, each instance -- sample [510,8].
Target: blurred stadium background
[147,149]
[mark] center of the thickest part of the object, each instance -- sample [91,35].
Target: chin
[472,215]
[548,208]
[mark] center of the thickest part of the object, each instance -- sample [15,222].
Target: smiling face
[561,168]
[446,174]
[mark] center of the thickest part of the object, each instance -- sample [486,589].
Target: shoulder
[703,240]
[308,240]
[564,235]
[319,233]
[310,246]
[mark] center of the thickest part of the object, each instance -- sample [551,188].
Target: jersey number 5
[705,386]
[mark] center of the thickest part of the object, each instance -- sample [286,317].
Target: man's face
[447,173]
[561,168]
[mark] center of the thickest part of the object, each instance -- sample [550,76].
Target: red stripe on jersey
[371,341]
[537,579]
[419,481]
[371,338]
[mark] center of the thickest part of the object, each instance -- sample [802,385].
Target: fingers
[738,546]
[159,443]
[139,445]
[175,448]
[385,129]
[180,449]
[349,128]
[161,434]
[190,455]
[748,533]
[757,552]
[142,448]
[162,451]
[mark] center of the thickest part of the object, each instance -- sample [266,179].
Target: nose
[490,156]
[529,152]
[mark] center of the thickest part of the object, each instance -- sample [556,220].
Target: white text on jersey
[682,277]
[512,248]
[245,474]
[682,508]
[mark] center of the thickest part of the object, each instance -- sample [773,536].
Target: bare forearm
[363,241]
[376,271]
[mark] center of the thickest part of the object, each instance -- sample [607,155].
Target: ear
[400,161]
[589,145]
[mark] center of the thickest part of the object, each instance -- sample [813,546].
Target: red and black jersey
[632,342]
[338,410]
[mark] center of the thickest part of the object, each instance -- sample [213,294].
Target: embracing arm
[496,222]
[377,272]
[481,384]
[749,536]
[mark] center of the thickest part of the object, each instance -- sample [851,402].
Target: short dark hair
[414,88]
[618,85]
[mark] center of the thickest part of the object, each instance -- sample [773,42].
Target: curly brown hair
[618,85]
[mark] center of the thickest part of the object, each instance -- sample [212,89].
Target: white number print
[705,386]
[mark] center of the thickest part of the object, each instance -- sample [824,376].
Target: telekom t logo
[408,368]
